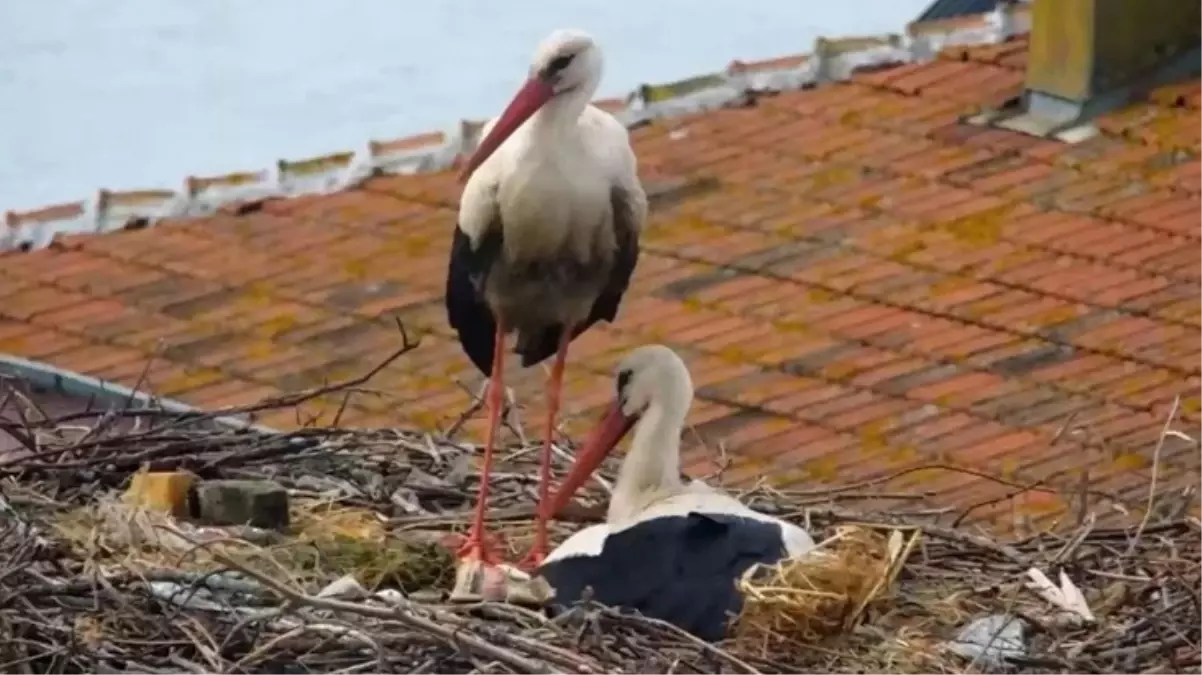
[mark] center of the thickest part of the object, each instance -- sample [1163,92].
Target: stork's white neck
[652,467]
[560,115]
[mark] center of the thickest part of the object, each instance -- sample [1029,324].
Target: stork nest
[360,579]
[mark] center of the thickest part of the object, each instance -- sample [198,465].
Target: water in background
[140,93]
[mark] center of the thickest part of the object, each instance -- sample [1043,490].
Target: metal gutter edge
[75,384]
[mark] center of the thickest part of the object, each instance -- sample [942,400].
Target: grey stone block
[242,502]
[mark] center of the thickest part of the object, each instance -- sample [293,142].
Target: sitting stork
[671,550]
[547,237]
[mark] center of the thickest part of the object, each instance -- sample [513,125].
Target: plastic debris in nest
[232,591]
[824,592]
[477,581]
[1067,598]
[991,640]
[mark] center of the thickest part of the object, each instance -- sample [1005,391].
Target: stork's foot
[533,560]
[477,576]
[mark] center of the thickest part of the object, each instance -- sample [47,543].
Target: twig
[453,636]
[180,419]
[1164,433]
[689,637]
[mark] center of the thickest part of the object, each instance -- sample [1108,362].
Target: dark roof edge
[70,383]
[947,9]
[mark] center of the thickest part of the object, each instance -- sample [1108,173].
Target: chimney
[1088,57]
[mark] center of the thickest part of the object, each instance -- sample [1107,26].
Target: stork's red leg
[475,546]
[554,387]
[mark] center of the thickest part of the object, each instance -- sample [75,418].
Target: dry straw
[799,601]
[326,541]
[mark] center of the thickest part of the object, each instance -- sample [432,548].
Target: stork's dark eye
[559,63]
[623,380]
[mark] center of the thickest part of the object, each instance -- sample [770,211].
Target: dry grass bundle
[802,600]
[326,541]
[333,540]
[110,531]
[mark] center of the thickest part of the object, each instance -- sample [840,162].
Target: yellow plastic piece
[165,491]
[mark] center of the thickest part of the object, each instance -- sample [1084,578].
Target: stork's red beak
[613,427]
[532,96]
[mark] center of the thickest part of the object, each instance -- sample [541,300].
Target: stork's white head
[650,376]
[567,64]
[568,59]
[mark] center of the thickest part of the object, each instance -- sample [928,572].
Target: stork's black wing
[680,569]
[468,314]
[626,233]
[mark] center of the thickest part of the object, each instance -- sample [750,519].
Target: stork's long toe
[482,547]
[534,559]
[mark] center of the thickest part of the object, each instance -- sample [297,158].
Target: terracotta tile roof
[860,281]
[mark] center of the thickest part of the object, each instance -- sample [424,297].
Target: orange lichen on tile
[194,185]
[777,63]
[861,283]
[107,198]
[45,214]
[408,143]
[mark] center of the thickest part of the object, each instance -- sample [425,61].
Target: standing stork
[547,238]
[668,549]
